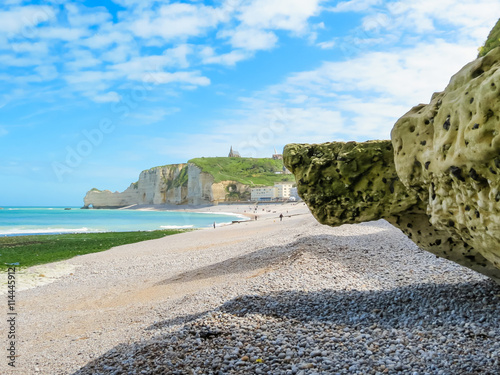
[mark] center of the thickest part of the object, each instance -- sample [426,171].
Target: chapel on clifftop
[233,154]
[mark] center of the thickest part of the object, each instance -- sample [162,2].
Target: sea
[19,221]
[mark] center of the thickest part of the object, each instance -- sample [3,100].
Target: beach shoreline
[40,221]
[247,209]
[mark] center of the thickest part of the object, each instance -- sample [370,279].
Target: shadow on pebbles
[328,307]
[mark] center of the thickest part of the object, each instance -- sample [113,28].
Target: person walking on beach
[214,224]
[281,217]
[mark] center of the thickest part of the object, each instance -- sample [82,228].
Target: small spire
[233,154]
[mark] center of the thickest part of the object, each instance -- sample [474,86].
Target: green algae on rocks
[438,179]
[348,182]
[448,152]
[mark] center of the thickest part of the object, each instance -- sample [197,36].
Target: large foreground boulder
[438,179]
[448,152]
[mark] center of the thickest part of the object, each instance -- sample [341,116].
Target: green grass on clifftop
[247,171]
[33,250]
[493,40]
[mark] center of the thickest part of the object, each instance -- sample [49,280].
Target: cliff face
[155,186]
[170,184]
[199,186]
[438,179]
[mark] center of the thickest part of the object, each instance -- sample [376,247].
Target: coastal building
[280,191]
[294,195]
[284,188]
[265,193]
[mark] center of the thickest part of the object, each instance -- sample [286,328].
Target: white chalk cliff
[171,184]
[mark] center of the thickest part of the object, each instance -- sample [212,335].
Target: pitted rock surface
[448,152]
[438,179]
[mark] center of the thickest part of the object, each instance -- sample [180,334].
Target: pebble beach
[263,296]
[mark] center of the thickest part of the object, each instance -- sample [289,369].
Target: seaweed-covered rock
[441,182]
[448,152]
[357,182]
[349,182]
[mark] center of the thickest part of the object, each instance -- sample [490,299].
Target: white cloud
[409,75]
[46,72]
[327,45]
[255,131]
[408,21]
[84,17]
[358,99]
[14,61]
[107,36]
[370,117]
[22,21]
[250,39]
[139,66]
[464,13]
[90,77]
[375,22]
[279,123]
[192,78]
[140,3]
[120,54]
[3,131]
[208,56]
[63,33]
[153,115]
[147,69]
[39,48]
[79,59]
[259,19]
[109,97]
[177,21]
[103,52]
[105,56]
[289,15]
[354,5]
[470,19]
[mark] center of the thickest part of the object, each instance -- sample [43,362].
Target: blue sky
[93,92]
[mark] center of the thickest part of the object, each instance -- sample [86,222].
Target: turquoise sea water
[44,220]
